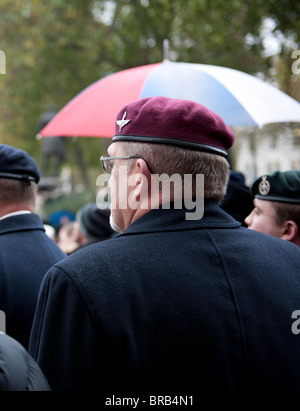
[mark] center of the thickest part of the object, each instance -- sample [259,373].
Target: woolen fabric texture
[172,306]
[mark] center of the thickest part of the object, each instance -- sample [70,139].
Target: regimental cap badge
[264,186]
[123,122]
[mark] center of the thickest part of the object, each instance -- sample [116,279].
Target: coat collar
[160,219]
[22,222]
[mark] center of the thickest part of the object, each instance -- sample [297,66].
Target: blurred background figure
[94,224]
[50,231]
[277,205]
[91,226]
[53,148]
[58,218]
[69,237]
[238,201]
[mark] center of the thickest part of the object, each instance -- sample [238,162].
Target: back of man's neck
[13,213]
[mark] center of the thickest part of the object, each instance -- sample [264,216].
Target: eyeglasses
[107,162]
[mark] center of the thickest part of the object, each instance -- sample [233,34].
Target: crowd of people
[90,226]
[179,288]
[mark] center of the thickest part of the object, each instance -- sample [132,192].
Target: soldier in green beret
[277,205]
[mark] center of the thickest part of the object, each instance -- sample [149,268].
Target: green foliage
[55,49]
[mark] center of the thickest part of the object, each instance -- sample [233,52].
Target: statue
[53,148]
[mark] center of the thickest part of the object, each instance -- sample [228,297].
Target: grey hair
[168,159]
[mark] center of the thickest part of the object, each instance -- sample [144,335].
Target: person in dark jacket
[184,301]
[238,201]
[26,250]
[93,224]
[18,370]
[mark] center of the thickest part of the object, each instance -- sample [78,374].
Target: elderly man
[184,300]
[26,250]
[277,205]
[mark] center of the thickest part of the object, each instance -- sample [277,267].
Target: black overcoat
[172,306]
[18,370]
[26,254]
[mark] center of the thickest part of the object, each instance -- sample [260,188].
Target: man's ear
[139,181]
[290,231]
[143,168]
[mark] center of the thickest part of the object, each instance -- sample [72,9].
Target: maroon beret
[178,122]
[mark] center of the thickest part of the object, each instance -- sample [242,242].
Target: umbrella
[239,98]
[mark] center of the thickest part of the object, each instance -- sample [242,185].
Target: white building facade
[262,151]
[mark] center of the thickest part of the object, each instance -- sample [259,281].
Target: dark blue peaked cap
[17,164]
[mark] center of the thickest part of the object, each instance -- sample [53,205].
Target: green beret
[281,186]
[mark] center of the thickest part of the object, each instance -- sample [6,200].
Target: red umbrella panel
[239,98]
[92,113]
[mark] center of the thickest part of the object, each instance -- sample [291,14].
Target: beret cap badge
[282,186]
[264,186]
[121,123]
